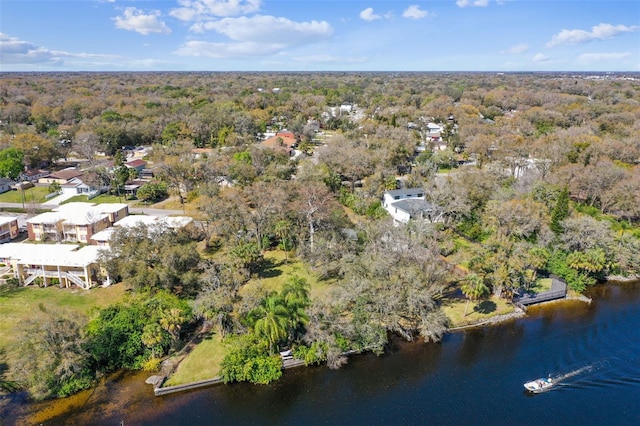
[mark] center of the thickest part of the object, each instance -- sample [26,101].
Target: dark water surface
[473,377]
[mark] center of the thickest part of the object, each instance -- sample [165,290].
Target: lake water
[474,377]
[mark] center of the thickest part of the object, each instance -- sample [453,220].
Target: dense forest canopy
[531,174]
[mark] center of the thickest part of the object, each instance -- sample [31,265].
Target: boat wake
[560,378]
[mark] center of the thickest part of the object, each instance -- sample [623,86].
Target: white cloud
[472,3]
[414,12]
[145,24]
[539,57]
[228,50]
[518,48]
[368,15]
[598,32]
[15,51]
[203,10]
[270,29]
[600,57]
[258,35]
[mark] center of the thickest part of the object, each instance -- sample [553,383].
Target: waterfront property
[557,291]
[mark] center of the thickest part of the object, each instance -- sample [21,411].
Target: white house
[407,204]
[5,185]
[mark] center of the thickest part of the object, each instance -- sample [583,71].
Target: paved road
[136,210]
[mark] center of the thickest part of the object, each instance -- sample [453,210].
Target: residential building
[138,165]
[75,222]
[284,140]
[8,228]
[409,204]
[33,175]
[49,264]
[61,177]
[5,185]
[103,237]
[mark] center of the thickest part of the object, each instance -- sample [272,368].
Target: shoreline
[157,380]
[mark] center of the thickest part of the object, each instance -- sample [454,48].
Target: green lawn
[541,285]
[18,304]
[32,195]
[100,199]
[202,363]
[477,311]
[280,269]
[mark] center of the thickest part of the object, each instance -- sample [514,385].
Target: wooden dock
[558,291]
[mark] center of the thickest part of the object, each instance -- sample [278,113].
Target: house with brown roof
[62,177]
[138,165]
[284,140]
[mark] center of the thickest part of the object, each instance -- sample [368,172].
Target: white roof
[135,220]
[85,217]
[176,221]
[74,207]
[100,208]
[78,213]
[7,219]
[104,235]
[48,217]
[50,254]
[111,207]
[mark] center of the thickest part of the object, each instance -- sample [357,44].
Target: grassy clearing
[100,199]
[477,311]
[278,271]
[36,194]
[541,285]
[203,362]
[19,304]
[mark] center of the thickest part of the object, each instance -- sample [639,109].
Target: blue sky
[319,35]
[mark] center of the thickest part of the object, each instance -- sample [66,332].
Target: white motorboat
[539,385]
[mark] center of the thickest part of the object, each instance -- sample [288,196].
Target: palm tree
[473,288]
[283,232]
[295,293]
[171,320]
[273,320]
[152,337]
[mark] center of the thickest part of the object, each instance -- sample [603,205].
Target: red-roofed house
[282,140]
[138,165]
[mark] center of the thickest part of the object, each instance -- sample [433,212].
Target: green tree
[152,191]
[120,173]
[473,287]
[128,334]
[12,166]
[37,150]
[11,163]
[271,321]
[248,360]
[560,211]
[51,360]
[295,293]
[54,187]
